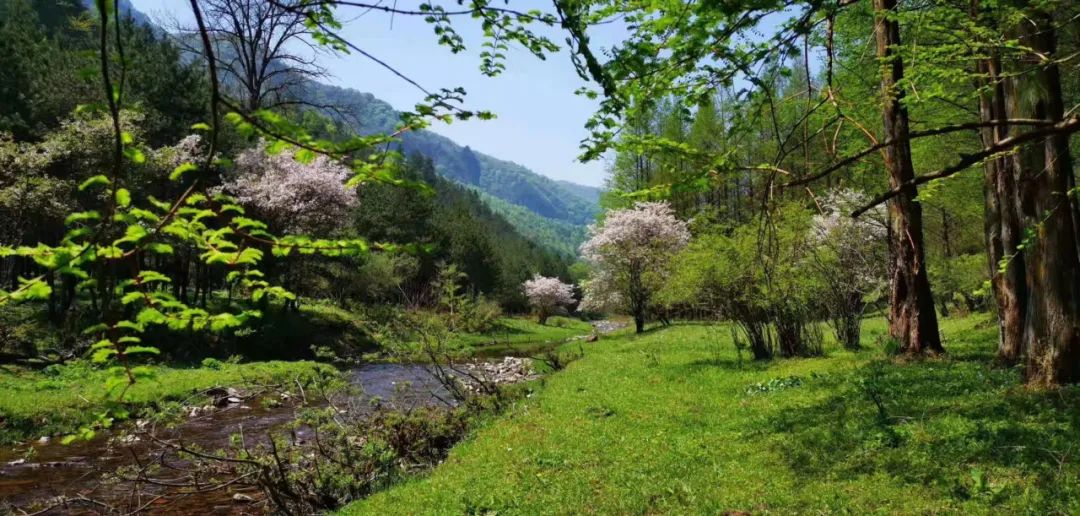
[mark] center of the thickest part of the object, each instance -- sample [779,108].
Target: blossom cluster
[856,245]
[835,220]
[647,231]
[546,294]
[299,197]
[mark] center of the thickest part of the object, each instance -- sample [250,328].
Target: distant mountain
[590,194]
[559,201]
[559,236]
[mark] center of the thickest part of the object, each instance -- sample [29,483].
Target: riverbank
[523,336]
[673,422]
[59,399]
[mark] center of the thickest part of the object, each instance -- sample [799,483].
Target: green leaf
[149,276]
[131,297]
[123,197]
[150,316]
[179,171]
[201,126]
[82,216]
[97,180]
[159,248]
[135,155]
[102,355]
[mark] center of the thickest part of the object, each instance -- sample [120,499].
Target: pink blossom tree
[630,252]
[546,295]
[297,196]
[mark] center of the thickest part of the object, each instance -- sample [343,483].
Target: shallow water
[33,474]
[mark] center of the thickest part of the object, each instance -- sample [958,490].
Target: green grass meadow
[673,422]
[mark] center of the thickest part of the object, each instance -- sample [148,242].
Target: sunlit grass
[524,334]
[670,422]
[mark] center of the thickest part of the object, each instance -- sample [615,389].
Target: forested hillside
[559,201]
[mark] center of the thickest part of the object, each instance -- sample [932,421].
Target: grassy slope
[36,403]
[664,423]
[524,334]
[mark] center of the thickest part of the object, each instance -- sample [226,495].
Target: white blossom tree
[546,295]
[629,254]
[849,256]
[296,196]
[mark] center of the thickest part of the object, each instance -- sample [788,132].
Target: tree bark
[912,320]
[1001,220]
[1051,331]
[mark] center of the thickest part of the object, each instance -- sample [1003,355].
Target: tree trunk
[1001,220]
[1051,332]
[912,320]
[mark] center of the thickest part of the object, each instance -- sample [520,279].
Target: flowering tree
[629,253]
[849,255]
[299,196]
[547,295]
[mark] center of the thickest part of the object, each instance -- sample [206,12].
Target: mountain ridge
[562,201]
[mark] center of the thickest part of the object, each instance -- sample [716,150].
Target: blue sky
[540,120]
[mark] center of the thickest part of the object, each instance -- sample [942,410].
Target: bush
[762,285]
[479,315]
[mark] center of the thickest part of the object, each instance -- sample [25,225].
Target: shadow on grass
[729,364]
[955,425]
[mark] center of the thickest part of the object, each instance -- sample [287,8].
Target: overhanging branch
[1067,126]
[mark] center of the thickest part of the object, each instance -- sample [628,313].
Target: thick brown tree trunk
[1001,219]
[912,320]
[1052,323]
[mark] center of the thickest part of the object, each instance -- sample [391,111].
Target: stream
[33,474]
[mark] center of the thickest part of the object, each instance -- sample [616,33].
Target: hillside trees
[146,222]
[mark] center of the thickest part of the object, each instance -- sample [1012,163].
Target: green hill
[554,206]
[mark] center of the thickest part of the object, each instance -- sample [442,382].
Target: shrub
[479,315]
[848,256]
[756,276]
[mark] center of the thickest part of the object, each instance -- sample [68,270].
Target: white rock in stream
[509,370]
